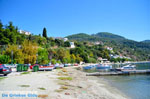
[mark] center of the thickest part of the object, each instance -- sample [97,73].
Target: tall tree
[44,33]
[29,49]
[11,27]
[1,26]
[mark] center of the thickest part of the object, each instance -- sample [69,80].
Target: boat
[89,67]
[61,65]
[103,66]
[127,67]
[58,65]
[67,65]
[46,67]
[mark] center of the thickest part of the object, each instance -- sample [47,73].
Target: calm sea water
[134,86]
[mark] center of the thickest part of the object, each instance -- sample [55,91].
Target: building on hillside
[118,56]
[59,38]
[103,60]
[98,43]
[65,39]
[72,45]
[24,32]
[109,48]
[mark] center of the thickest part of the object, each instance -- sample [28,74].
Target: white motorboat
[127,67]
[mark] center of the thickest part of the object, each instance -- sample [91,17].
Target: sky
[128,18]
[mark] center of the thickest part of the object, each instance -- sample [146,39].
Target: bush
[4,59]
[59,62]
[53,61]
[92,60]
[43,56]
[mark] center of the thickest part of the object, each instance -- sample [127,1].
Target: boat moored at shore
[127,67]
[103,66]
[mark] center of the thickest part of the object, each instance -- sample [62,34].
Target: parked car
[10,65]
[4,70]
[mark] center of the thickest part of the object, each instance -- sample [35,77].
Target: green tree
[43,56]
[4,59]
[53,61]
[78,59]
[84,57]
[73,58]
[51,53]
[1,26]
[11,27]
[92,60]
[67,56]
[59,42]
[113,60]
[17,53]
[29,50]
[41,41]
[67,44]
[44,33]
[60,53]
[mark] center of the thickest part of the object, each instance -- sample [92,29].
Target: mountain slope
[121,45]
[108,38]
[82,37]
[146,41]
[95,37]
[108,35]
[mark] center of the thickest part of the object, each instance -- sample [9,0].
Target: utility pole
[37,58]
[12,57]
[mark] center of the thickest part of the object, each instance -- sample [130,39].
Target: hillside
[88,48]
[83,37]
[146,41]
[107,35]
[134,49]
[108,38]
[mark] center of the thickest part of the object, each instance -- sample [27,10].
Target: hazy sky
[128,18]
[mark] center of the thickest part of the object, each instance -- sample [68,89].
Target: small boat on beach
[58,65]
[46,67]
[89,67]
[67,65]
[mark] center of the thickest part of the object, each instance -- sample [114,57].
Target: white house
[24,32]
[72,45]
[65,39]
[118,56]
[109,48]
[96,43]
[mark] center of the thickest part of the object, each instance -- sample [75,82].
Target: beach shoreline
[47,85]
[103,87]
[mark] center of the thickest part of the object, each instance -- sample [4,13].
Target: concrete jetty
[123,72]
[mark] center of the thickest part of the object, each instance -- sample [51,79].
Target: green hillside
[146,41]
[88,48]
[83,37]
[121,45]
[108,35]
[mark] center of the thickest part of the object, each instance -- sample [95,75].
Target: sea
[133,86]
